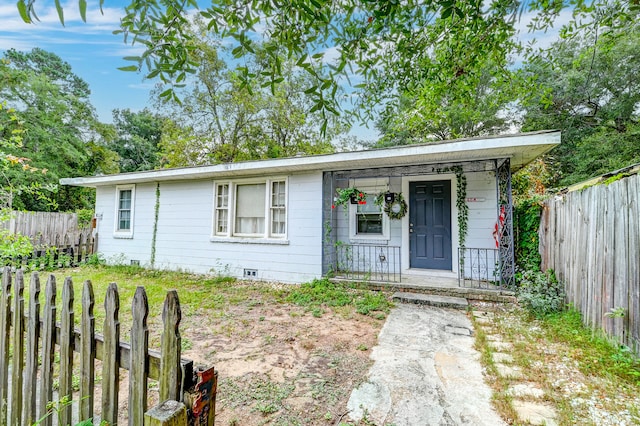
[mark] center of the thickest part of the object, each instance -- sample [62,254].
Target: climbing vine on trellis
[461,203]
[463,207]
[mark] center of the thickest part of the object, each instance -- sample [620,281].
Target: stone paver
[503,358]
[522,390]
[500,346]
[484,320]
[508,371]
[425,372]
[535,413]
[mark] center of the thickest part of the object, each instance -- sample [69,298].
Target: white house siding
[125,249]
[483,213]
[184,240]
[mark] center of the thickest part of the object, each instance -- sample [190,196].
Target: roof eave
[521,149]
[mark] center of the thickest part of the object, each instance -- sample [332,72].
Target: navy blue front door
[430,224]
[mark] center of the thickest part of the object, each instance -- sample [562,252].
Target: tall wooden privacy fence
[28,340]
[46,224]
[591,238]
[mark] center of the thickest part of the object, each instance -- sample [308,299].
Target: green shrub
[526,223]
[13,247]
[541,293]
[84,217]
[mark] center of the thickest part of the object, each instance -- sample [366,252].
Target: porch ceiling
[520,148]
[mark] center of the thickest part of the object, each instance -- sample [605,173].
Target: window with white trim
[125,197]
[251,209]
[367,221]
[278,208]
[222,209]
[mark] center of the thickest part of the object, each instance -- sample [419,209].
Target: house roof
[521,148]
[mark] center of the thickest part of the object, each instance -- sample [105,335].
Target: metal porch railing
[368,262]
[480,268]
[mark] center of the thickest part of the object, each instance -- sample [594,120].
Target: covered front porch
[454,231]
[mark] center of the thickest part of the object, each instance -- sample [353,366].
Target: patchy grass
[317,295]
[278,363]
[588,379]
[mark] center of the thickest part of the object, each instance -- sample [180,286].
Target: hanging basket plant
[349,195]
[393,204]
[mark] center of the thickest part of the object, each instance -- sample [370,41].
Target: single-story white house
[287,220]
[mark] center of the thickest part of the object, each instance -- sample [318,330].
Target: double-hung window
[222,209]
[125,197]
[251,209]
[367,221]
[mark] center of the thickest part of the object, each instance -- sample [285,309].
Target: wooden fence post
[170,368]
[169,413]
[17,364]
[111,356]
[48,346]
[65,390]
[138,369]
[31,368]
[87,353]
[5,330]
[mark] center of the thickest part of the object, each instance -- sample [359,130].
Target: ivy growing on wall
[155,225]
[461,202]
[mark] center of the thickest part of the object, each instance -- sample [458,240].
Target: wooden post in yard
[170,368]
[169,413]
[5,331]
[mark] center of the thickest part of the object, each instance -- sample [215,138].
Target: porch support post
[505,221]
[328,223]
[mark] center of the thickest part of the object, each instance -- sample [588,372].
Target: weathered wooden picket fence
[591,238]
[62,251]
[31,381]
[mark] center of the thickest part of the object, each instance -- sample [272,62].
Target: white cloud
[142,86]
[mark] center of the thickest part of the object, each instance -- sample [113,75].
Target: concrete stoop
[431,300]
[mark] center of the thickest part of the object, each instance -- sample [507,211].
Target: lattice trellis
[505,212]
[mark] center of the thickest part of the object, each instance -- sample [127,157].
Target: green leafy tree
[391,47]
[418,117]
[137,140]
[587,87]
[222,121]
[58,121]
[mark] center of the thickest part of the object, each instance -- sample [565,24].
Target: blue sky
[95,53]
[91,49]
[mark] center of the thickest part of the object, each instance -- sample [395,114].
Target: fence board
[31,367]
[5,330]
[170,377]
[17,364]
[591,238]
[87,352]
[47,224]
[24,408]
[110,358]
[48,346]
[139,349]
[65,390]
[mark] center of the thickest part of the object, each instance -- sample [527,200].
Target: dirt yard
[279,364]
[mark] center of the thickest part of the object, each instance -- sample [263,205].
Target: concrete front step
[476,294]
[431,300]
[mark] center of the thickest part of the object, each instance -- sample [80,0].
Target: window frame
[234,236]
[353,223]
[217,209]
[124,233]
